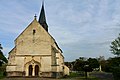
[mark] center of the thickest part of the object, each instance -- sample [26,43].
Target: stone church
[36,52]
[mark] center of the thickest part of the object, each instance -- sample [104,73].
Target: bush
[4,73]
[116,73]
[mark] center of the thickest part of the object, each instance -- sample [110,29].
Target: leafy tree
[111,63]
[93,63]
[82,58]
[82,64]
[114,62]
[79,65]
[115,46]
[2,57]
[69,65]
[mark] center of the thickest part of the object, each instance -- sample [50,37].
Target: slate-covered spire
[42,18]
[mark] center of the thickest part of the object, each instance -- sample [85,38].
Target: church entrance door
[36,70]
[30,70]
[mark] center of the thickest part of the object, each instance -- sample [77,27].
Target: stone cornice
[22,55]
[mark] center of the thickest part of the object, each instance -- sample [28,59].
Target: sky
[82,28]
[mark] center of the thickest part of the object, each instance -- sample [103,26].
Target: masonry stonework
[36,53]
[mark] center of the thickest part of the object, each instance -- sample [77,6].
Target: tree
[114,62]
[115,46]
[80,65]
[2,57]
[69,65]
[93,63]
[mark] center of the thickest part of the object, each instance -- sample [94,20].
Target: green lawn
[72,76]
[79,76]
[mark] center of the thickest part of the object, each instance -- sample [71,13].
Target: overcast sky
[82,28]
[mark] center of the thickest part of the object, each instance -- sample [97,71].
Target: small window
[33,31]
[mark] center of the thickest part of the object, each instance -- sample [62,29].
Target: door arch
[36,70]
[30,70]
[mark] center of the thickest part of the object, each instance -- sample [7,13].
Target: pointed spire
[42,18]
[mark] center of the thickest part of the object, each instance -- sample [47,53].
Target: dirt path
[38,79]
[27,79]
[103,75]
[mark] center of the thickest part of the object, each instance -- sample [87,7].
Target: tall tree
[2,57]
[93,63]
[115,46]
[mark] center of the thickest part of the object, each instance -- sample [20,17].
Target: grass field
[72,76]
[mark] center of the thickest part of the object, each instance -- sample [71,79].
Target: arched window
[34,31]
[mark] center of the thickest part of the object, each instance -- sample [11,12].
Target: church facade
[36,52]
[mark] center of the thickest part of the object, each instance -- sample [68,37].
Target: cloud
[6,50]
[81,27]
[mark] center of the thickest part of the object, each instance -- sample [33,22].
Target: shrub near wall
[116,73]
[3,71]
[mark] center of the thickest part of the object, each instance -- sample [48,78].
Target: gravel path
[38,79]
[103,75]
